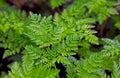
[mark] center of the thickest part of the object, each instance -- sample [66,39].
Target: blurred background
[37,6]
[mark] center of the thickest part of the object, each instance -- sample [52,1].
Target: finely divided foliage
[48,40]
[11,30]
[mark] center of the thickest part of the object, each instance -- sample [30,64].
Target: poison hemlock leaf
[47,40]
[11,31]
[57,3]
[116,70]
[31,71]
[94,66]
[117,22]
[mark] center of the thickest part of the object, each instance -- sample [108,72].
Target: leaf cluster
[44,41]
